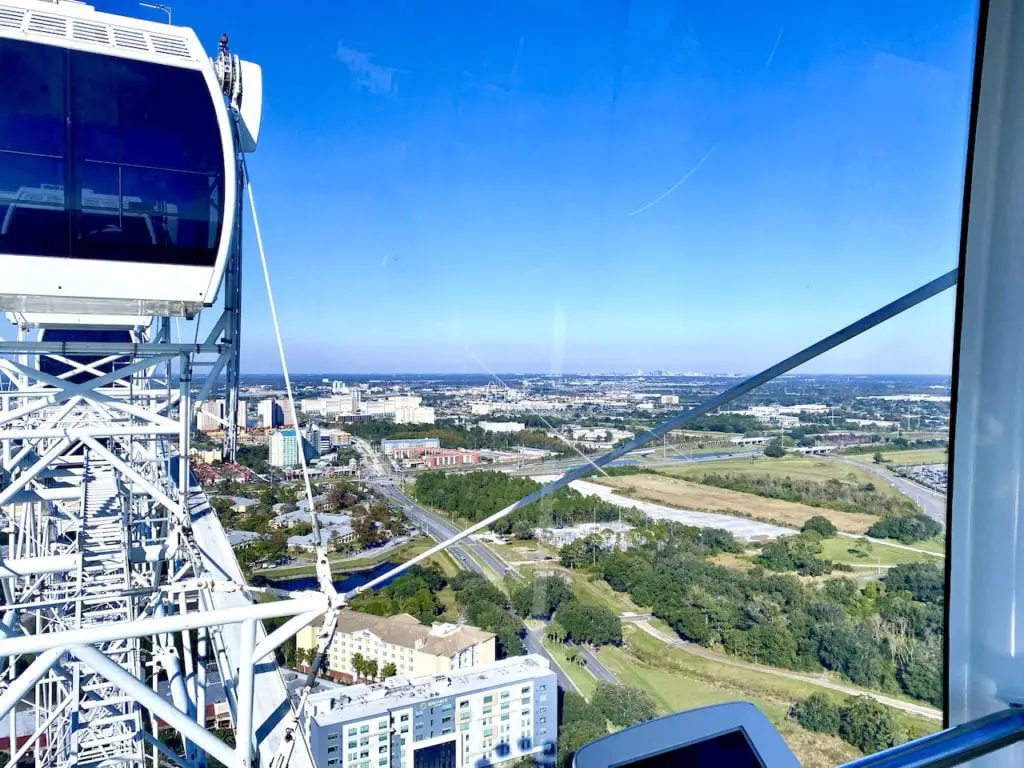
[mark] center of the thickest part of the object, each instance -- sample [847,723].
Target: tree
[389,670]
[817,713]
[575,708]
[371,668]
[868,725]
[556,632]
[925,581]
[819,524]
[541,598]
[590,623]
[359,664]
[623,705]
[878,458]
[572,736]
[775,450]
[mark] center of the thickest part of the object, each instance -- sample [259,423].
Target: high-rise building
[415,650]
[284,449]
[242,417]
[271,414]
[482,716]
[211,416]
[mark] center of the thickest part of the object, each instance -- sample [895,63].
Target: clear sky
[600,186]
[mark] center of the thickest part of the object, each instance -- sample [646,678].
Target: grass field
[690,449]
[813,468]
[678,681]
[579,675]
[837,550]
[676,492]
[678,690]
[905,458]
[598,592]
[936,545]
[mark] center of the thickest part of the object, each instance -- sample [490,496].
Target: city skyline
[563,189]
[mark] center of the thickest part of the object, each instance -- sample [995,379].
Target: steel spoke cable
[858,327]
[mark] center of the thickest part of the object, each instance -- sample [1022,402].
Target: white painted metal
[986,586]
[115,574]
[77,287]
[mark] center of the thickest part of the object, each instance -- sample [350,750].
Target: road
[931,503]
[595,665]
[921,710]
[440,529]
[564,465]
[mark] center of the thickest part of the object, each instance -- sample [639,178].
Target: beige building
[416,650]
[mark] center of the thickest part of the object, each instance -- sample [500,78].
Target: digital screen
[729,749]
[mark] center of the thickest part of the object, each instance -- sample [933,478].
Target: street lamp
[159,7]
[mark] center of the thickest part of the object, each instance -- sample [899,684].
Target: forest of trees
[454,436]
[414,592]
[475,495]
[583,721]
[846,496]
[886,636]
[486,606]
[861,721]
[906,529]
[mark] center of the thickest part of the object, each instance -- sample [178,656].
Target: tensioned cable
[323,566]
[866,323]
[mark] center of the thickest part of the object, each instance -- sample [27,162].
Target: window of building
[504,694]
[405,717]
[364,741]
[382,750]
[445,720]
[504,705]
[487,710]
[351,731]
[364,753]
[352,745]
[464,727]
[504,717]
[488,699]
[542,719]
[332,761]
[382,724]
[333,736]
[332,750]
[464,703]
[525,689]
[364,729]
[382,761]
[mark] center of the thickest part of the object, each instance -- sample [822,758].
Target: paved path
[921,710]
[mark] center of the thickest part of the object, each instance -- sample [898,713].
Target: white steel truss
[115,576]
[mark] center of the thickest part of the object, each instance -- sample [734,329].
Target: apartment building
[415,649]
[466,719]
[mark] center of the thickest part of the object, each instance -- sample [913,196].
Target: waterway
[343,584]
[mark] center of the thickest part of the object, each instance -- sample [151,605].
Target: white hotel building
[466,719]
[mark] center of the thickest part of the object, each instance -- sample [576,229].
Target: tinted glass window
[32,149]
[128,169]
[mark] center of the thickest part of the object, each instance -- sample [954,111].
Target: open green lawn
[908,458]
[813,468]
[837,550]
[677,680]
[936,545]
[579,675]
[675,692]
[597,592]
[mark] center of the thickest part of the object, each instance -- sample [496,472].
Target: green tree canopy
[869,725]
[817,713]
[623,705]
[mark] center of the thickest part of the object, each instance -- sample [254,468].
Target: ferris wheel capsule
[118,163]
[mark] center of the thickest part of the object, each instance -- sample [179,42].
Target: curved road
[931,503]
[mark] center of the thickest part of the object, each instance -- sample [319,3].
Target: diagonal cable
[866,323]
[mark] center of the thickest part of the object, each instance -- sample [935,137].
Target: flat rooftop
[356,702]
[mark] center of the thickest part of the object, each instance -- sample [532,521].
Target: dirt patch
[686,495]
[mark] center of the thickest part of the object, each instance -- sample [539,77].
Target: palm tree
[359,664]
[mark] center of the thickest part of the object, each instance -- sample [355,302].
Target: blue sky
[600,186]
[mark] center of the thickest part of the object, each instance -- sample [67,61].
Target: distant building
[613,535]
[211,416]
[501,426]
[390,446]
[414,649]
[466,719]
[670,399]
[284,448]
[271,414]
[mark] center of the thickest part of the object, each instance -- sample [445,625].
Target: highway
[931,503]
[558,466]
[440,529]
